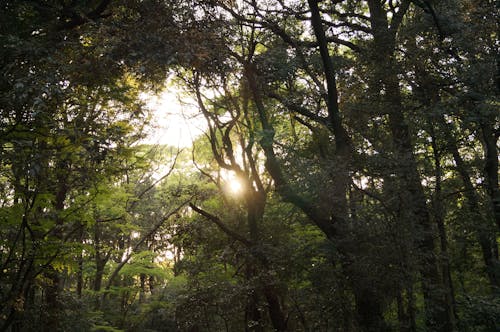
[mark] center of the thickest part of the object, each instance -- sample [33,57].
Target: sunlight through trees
[294,165]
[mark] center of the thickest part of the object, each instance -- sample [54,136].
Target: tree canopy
[347,179]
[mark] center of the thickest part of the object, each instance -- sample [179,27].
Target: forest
[346,178]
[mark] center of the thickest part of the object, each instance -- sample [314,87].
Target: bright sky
[177,123]
[175,120]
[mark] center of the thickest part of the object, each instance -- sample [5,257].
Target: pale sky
[175,119]
[177,122]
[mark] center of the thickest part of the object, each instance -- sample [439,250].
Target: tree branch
[141,241]
[77,19]
[216,220]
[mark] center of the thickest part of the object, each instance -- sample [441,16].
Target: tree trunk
[255,201]
[79,273]
[278,318]
[439,217]
[54,287]
[368,303]
[490,138]
[406,314]
[100,261]
[142,291]
[485,234]
[412,195]
[369,310]
[52,301]
[253,318]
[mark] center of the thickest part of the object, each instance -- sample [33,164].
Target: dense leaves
[347,179]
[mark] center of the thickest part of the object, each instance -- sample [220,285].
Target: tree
[364,136]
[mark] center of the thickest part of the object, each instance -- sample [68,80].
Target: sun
[235,186]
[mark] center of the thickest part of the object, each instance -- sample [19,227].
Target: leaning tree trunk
[368,304]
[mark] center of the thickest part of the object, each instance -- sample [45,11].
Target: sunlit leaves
[144,263]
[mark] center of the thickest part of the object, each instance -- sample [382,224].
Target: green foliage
[479,314]
[105,328]
[368,162]
[142,263]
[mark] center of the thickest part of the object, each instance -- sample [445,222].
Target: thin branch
[201,170]
[273,166]
[216,220]
[77,19]
[299,109]
[161,178]
[151,232]
[374,196]
[398,17]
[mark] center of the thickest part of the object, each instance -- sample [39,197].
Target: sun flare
[235,186]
